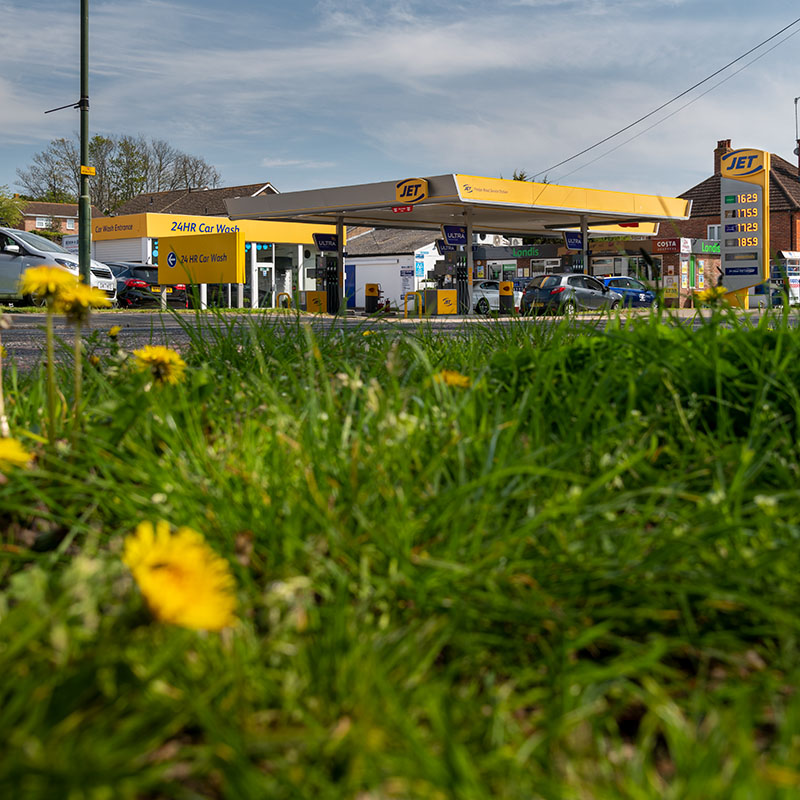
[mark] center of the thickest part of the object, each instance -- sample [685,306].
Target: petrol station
[459,206]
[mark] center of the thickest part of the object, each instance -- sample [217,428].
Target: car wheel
[483,306]
[569,308]
[614,305]
[654,305]
[35,300]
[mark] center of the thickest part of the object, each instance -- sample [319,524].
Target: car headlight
[68,264]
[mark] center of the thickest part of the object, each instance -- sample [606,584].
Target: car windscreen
[39,242]
[544,282]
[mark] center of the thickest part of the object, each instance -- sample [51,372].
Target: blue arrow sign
[172,260]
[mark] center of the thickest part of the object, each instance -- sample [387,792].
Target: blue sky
[317,93]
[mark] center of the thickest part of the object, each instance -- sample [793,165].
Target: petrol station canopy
[487,205]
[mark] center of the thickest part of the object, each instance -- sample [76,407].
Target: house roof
[386,242]
[201,202]
[784,190]
[33,208]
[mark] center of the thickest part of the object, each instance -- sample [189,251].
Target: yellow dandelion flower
[713,294]
[450,377]
[94,360]
[76,302]
[13,454]
[114,331]
[46,282]
[182,579]
[165,364]
[3,351]
[369,333]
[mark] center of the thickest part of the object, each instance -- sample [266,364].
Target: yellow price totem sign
[744,218]
[205,258]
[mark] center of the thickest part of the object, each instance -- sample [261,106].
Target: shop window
[713,232]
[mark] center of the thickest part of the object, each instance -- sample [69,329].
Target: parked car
[634,292]
[566,293]
[138,286]
[486,296]
[20,250]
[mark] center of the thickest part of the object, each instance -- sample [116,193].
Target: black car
[138,286]
[566,293]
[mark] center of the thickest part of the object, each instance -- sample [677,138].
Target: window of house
[41,222]
[70,224]
[713,232]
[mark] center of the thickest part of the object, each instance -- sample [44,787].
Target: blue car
[634,293]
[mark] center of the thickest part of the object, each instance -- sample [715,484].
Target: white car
[486,296]
[22,249]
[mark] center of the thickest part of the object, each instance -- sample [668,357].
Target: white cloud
[295,162]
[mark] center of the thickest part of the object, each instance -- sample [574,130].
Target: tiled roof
[784,190]
[33,208]
[202,202]
[386,242]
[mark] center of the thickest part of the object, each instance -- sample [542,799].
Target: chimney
[723,146]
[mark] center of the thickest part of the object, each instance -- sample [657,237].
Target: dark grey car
[566,293]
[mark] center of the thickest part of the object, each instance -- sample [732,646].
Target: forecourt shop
[279,257]
[462,205]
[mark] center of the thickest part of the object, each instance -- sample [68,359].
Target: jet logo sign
[741,163]
[411,190]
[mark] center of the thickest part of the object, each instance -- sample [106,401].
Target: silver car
[566,293]
[486,296]
[20,250]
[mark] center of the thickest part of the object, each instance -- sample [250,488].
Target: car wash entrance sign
[744,218]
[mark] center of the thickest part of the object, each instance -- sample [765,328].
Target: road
[25,339]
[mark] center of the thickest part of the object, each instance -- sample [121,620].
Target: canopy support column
[253,276]
[470,265]
[340,263]
[585,243]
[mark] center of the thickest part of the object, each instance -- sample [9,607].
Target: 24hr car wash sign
[744,218]
[209,258]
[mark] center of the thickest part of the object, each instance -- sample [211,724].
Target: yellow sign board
[446,301]
[211,258]
[156,226]
[411,190]
[87,170]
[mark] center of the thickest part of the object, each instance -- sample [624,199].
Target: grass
[576,578]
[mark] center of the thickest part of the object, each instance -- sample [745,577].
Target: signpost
[744,220]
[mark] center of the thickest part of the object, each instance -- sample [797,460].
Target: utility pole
[84,207]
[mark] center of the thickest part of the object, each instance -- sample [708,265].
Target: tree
[125,166]
[10,208]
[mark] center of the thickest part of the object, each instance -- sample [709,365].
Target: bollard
[506,297]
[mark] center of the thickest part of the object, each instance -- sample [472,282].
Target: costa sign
[661,246]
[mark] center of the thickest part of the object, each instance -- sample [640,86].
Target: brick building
[59,217]
[784,199]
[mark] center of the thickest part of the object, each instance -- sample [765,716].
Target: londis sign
[411,190]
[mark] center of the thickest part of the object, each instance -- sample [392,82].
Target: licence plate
[157,289]
[105,286]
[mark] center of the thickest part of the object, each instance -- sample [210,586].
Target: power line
[679,109]
[669,102]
